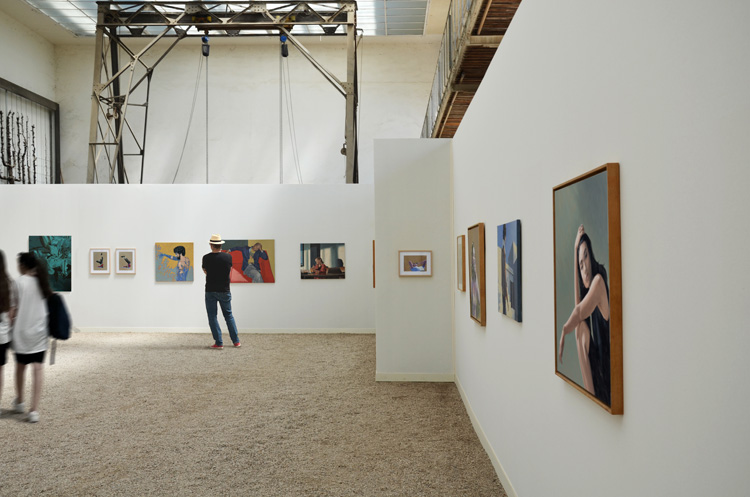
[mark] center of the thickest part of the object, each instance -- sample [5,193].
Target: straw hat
[216,240]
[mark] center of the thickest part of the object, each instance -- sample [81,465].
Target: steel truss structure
[116,134]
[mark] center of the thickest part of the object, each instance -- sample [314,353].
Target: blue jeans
[225,301]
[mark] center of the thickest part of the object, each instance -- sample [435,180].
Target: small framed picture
[99,261]
[125,261]
[415,262]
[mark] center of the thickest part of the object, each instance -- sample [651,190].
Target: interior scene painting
[321,261]
[99,261]
[477,284]
[253,261]
[509,269]
[583,271]
[56,252]
[174,261]
[125,263]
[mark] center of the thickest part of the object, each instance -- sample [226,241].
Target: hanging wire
[206,56]
[281,117]
[190,119]
[291,123]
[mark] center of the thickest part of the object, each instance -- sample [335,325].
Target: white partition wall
[138,216]
[661,88]
[412,212]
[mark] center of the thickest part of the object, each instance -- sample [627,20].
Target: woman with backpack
[30,329]
[7,313]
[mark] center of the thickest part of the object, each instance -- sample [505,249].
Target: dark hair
[179,250]
[339,262]
[596,268]
[29,262]
[4,286]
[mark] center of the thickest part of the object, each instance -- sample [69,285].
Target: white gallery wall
[661,88]
[138,216]
[243,117]
[244,113]
[27,59]
[413,212]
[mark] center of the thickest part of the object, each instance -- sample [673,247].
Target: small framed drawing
[415,262]
[125,261]
[461,262]
[588,275]
[99,261]
[477,284]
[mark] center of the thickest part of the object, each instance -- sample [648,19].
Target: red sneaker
[238,344]
[214,346]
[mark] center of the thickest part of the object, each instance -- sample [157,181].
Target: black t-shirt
[217,266]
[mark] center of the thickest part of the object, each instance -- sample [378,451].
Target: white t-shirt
[30,328]
[5,316]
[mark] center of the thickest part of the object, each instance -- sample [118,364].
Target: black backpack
[58,321]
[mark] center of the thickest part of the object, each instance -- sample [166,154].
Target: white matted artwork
[415,262]
[125,261]
[99,261]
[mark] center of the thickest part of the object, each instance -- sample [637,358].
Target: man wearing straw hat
[216,266]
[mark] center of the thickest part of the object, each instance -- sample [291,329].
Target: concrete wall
[28,60]
[412,212]
[660,88]
[138,216]
[243,118]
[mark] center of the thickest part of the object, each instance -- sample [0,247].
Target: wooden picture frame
[476,270]
[99,261]
[461,262]
[588,265]
[124,261]
[414,263]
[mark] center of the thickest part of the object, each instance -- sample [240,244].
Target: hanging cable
[283,39]
[204,50]
[290,121]
[190,119]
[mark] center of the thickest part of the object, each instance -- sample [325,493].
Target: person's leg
[226,309]
[20,370]
[36,386]
[213,321]
[3,355]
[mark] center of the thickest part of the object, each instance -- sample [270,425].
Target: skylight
[374,17]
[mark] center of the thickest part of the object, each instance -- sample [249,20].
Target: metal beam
[121,20]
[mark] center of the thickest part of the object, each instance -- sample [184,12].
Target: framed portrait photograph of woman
[588,275]
[477,284]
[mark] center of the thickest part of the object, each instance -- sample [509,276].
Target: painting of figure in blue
[55,251]
[509,269]
[174,261]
